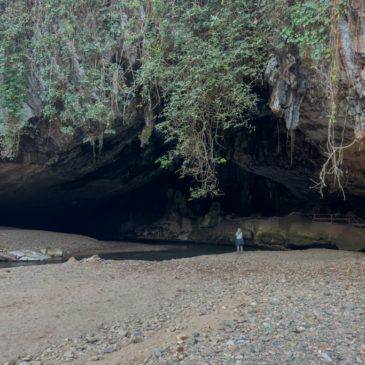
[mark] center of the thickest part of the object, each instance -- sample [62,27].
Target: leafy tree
[203,58]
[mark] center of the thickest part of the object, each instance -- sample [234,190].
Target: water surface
[167,252]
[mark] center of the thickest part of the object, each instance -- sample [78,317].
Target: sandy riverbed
[70,244]
[133,312]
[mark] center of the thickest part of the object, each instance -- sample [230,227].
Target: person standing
[239,240]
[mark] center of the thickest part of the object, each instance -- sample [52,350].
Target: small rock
[326,357]
[137,337]
[193,341]
[90,339]
[27,358]
[93,259]
[158,353]
[108,350]
[182,337]
[72,260]
[229,323]
[122,332]
[68,355]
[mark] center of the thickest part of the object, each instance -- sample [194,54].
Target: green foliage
[308,26]
[203,59]
[14,62]
[198,61]
[164,161]
[80,58]
[78,50]
[145,135]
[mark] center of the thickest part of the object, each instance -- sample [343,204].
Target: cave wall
[299,93]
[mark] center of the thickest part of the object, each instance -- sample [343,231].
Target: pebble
[229,323]
[325,357]
[68,355]
[137,337]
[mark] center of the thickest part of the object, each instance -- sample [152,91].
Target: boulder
[29,255]
[6,257]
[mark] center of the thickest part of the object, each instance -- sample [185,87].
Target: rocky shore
[292,307]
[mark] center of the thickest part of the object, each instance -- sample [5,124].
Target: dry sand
[70,244]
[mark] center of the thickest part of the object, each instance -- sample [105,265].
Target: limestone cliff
[299,95]
[270,171]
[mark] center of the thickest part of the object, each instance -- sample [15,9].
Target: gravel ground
[293,307]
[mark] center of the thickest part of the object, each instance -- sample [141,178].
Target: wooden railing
[335,218]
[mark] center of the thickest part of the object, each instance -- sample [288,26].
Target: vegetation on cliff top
[197,61]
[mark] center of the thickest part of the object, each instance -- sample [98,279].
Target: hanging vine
[331,173]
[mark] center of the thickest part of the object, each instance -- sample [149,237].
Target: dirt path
[131,312]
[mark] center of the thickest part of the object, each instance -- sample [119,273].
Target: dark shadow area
[308,247]
[266,175]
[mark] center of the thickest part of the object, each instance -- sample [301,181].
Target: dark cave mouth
[245,195]
[258,180]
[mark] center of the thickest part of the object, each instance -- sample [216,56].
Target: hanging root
[331,172]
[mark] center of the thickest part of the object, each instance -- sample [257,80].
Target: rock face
[269,172]
[299,95]
[280,233]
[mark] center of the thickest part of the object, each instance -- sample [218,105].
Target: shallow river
[167,253]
